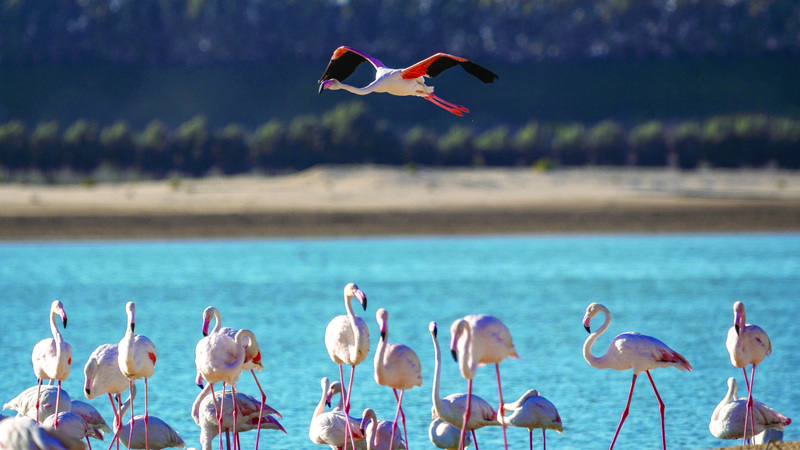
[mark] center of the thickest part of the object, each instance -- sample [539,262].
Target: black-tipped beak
[435,331]
[133,326]
[383,335]
[588,330]
[736,327]
[328,403]
[205,333]
[65,322]
[455,355]
[364,303]
[321,88]
[88,392]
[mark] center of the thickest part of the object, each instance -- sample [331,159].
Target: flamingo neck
[355,90]
[371,430]
[466,363]
[56,335]
[381,351]
[437,373]
[593,361]
[217,322]
[198,401]
[240,347]
[125,406]
[321,405]
[730,396]
[348,305]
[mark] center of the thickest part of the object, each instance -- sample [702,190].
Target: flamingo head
[456,330]
[199,380]
[382,316]
[58,308]
[351,290]
[433,329]
[130,308]
[335,388]
[366,417]
[738,316]
[592,310]
[208,314]
[332,84]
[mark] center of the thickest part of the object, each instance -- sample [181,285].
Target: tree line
[349,134]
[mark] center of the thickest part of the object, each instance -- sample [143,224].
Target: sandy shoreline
[375,200]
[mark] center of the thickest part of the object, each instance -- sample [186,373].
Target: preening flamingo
[444,435]
[396,366]
[747,344]
[347,341]
[51,357]
[157,434]
[328,428]
[218,358]
[72,426]
[402,82]
[102,375]
[533,411]
[137,359]
[93,419]
[480,339]
[452,408]
[728,419]
[380,434]
[252,355]
[21,432]
[25,402]
[631,351]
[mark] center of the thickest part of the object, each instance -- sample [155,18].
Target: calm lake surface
[678,288]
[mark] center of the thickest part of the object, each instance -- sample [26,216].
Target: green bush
[569,145]
[529,143]
[154,149]
[649,144]
[229,150]
[307,140]
[494,148]
[454,147]
[687,143]
[784,137]
[118,147]
[192,150]
[606,144]
[751,139]
[267,146]
[718,142]
[419,146]
[46,147]
[14,146]
[81,150]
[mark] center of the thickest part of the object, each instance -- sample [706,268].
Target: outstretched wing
[344,62]
[440,62]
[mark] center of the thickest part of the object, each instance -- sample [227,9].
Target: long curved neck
[321,405]
[340,404]
[372,431]
[217,322]
[437,373]
[729,397]
[56,334]
[593,361]
[348,306]
[465,360]
[240,350]
[357,90]
[199,401]
[381,350]
[125,406]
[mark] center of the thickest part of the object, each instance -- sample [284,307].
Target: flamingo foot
[453,108]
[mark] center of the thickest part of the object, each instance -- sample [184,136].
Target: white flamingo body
[630,351]
[25,402]
[52,357]
[396,366]
[102,374]
[22,433]
[532,411]
[728,419]
[401,82]
[444,435]
[92,417]
[328,428]
[159,434]
[747,344]
[380,434]
[71,425]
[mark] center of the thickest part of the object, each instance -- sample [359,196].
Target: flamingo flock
[47,417]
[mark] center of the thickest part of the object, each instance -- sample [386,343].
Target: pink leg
[38,390]
[133,422]
[235,417]
[347,432]
[396,414]
[220,411]
[402,416]
[466,416]
[624,413]
[500,409]
[474,439]
[530,437]
[438,102]
[749,407]
[660,410]
[260,411]
[544,440]
[146,419]
[350,392]
[452,105]
[58,400]
[117,422]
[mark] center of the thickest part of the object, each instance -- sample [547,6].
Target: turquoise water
[678,288]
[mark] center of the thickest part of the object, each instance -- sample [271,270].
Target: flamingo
[453,408]
[252,355]
[729,418]
[328,428]
[21,432]
[402,82]
[25,403]
[250,411]
[52,357]
[444,435]
[93,419]
[103,376]
[137,359]
[396,366]
[218,358]
[631,350]
[380,432]
[156,434]
[480,339]
[72,426]
[533,411]
[747,344]
[347,341]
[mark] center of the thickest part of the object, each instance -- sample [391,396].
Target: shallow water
[678,288]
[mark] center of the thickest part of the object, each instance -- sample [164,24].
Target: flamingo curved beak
[455,355]
[362,298]
[588,330]
[736,327]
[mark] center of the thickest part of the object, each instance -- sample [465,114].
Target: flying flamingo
[137,359]
[453,408]
[22,433]
[747,344]
[347,341]
[218,358]
[328,428]
[379,433]
[533,411]
[103,376]
[251,412]
[402,82]
[480,339]
[159,434]
[396,366]
[729,418]
[444,435]
[26,401]
[631,350]
[252,355]
[51,357]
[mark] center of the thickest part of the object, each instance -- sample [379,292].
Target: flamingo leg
[660,410]
[530,437]
[396,414]
[544,440]
[624,413]
[58,400]
[748,411]
[88,444]
[347,403]
[261,410]
[146,419]
[219,411]
[133,421]
[38,390]
[500,409]
[117,421]
[347,431]
[235,417]
[455,109]
[474,439]
[462,439]
[402,419]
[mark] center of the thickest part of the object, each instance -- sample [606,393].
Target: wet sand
[376,200]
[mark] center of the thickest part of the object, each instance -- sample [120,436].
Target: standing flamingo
[453,408]
[347,341]
[103,376]
[51,357]
[396,366]
[328,428]
[533,411]
[631,350]
[25,403]
[480,339]
[137,359]
[729,418]
[747,344]
[218,358]
[402,82]
[380,434]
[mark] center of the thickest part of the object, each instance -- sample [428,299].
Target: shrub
[569,145]
[649,144]
[717,141]
[154,148]
[191,146]
[686,141]
[494,147]
[784,136]
[267,144]
[229,150]
[606,144]
[454,147]
[45,147]
[81,149]
[306,141]
[14,145]
[118,147]
[751,139]
[419,145]
[528,142]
